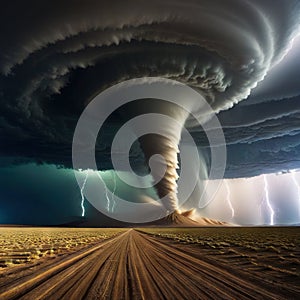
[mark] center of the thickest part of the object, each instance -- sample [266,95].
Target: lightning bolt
[293,173]
[260,208]
[267,199]
[114,191]
[106,191]
[81,192]
[228,199]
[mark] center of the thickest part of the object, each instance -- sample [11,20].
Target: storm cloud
[56,56]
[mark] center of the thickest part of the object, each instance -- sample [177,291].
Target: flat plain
[150,263]
[20,245]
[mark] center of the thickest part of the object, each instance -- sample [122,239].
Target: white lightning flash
[293,173]
[106,191]
[260,209]
[228,196]
[114,191]
[267,199]
[81,192]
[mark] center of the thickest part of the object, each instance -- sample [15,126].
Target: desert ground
[150,263]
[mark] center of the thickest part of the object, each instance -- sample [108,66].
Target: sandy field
[150,263]
[27,244]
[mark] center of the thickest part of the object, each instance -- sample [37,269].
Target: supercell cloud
[56,56]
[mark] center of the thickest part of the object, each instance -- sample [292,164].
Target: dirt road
[132,265]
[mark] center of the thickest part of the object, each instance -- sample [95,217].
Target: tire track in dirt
[133,265]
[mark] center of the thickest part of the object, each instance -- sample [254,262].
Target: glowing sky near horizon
[240,201]
[248,198]
[57,190]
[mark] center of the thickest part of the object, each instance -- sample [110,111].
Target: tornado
[161,150]
[167,148]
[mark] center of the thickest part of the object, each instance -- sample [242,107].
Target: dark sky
[55,56]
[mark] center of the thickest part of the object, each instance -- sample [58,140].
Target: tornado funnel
[160,144]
